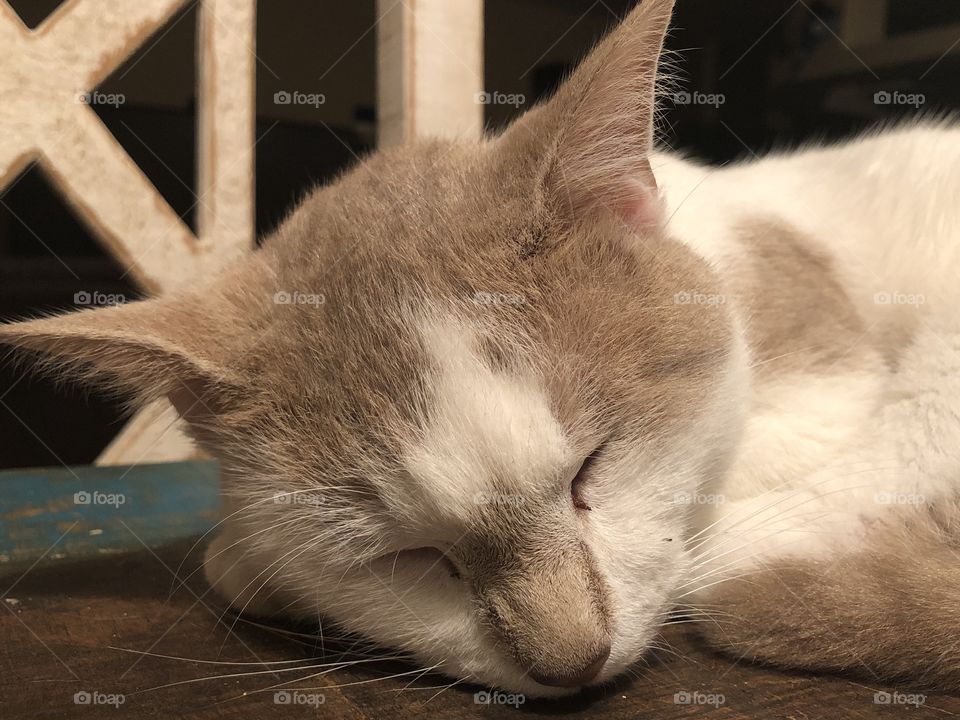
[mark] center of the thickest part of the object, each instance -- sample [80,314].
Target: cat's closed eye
[428,558]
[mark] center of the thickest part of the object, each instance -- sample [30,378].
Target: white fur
[822,454]
[482,425]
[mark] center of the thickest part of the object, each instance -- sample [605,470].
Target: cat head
[454,397]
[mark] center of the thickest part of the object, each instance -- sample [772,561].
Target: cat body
[562,385]
[845,481]
[848,309]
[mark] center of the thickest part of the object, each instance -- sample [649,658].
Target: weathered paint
[155,504]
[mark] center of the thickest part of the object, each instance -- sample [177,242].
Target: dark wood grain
[61,622]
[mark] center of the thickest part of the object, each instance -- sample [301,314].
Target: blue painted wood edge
[79,512]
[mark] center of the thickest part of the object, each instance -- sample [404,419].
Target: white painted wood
[225,187]
[226,98]
[42,79]
[45,75]
[430,62]
[154,435]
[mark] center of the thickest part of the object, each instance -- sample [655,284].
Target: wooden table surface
[65,625]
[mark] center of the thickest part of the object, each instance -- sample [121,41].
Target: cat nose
[577,677]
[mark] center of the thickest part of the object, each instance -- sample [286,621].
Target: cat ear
[173,347]
[595,136]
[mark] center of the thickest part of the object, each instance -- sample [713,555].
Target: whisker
[331,666]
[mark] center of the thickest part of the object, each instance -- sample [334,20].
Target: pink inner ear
[640,205]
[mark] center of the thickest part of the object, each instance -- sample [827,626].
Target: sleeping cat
[507,405]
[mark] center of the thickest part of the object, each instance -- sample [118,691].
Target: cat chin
[228,572]
[517,683]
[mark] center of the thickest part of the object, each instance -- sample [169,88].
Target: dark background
[784,72]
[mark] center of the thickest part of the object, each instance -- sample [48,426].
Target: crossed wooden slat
[431,68]
[44,73]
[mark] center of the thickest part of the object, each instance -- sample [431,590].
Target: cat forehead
[490,430]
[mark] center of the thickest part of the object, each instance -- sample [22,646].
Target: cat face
[455,397]
[477,444]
